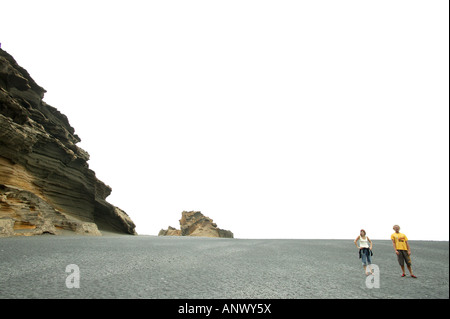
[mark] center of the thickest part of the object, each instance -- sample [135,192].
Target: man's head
[396,228]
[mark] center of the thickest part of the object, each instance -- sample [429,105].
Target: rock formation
[46,185]
[196,224]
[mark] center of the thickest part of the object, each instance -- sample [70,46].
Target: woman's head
[362,232]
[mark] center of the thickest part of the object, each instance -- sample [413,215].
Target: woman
[365,250]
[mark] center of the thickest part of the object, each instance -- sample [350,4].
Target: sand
[116,266]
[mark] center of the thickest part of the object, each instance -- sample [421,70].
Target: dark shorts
[403,257]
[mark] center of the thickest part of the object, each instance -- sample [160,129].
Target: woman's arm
[371,245]
[356,241]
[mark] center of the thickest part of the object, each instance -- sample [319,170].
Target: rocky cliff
[46,185]
[196,224]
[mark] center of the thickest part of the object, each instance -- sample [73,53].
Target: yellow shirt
[400,241]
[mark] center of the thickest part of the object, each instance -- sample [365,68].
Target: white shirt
[363,243]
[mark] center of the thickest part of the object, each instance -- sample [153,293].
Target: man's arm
[395,248]
[409,248]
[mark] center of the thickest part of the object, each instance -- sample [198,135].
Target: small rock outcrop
[194,223]
[46,185]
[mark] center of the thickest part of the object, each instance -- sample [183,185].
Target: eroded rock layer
[194,223]
[46,185]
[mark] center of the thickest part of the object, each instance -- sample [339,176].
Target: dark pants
[365,255]
[403,257]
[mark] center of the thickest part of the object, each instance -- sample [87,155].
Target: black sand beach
[188,267]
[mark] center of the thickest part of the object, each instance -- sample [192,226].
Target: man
[402,249]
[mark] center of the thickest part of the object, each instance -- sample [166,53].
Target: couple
[401,247]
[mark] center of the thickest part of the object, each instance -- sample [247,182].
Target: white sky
[277,119]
